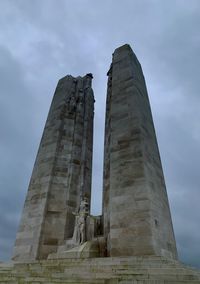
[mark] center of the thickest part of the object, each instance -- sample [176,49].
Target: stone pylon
[137,218]
[62,171]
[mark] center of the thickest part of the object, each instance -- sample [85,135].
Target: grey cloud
[15,150]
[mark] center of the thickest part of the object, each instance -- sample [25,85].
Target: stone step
[96,264]
[49,280]
[154,281]
[109,271]
[98,267]
[96,281]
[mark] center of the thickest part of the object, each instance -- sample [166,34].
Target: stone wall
[136,211]
[110,270]
[62,171]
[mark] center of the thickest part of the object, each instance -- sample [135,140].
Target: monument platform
[109,270]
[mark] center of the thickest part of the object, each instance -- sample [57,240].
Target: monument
[136,211]
[61,176]
[58,240]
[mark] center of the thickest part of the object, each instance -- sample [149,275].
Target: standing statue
[80,104]
[72,104]
[79,235]
[81,229]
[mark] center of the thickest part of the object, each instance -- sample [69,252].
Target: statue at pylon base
[79,235]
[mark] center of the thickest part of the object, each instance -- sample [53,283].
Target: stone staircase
[124,270]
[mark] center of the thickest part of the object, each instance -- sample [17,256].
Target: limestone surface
[133,242]
[109,270]
[136,212]
[62,171]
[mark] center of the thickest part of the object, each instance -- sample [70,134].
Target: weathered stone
[105,270]
[56,223]
[136,212]
[62,171]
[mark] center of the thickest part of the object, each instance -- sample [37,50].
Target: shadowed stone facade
[62,172]
[136,211]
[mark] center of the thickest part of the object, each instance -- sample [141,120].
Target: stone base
[118,270]
[87,250]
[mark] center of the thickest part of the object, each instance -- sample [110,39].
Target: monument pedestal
[104,270]
[87,250]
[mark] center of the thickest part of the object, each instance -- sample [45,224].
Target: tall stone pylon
[62,171]
[137,218]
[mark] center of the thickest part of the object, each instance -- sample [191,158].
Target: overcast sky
[42,41]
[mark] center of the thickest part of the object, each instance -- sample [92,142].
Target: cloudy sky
[42,41]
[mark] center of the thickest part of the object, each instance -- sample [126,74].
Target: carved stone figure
[84,207]
[80,104]
[79,235]
[81,229]
[72,104]
[67,160]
